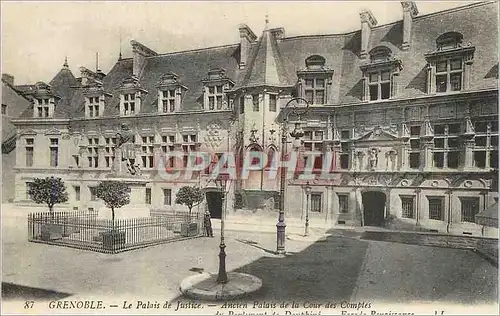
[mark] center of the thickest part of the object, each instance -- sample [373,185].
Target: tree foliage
[50,191]
[189,196]
[115,194]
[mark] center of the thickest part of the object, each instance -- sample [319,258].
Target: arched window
[449,40]
[271,152]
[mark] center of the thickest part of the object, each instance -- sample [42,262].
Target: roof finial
[120,55]
[267,21]
[96,62]
[65,65]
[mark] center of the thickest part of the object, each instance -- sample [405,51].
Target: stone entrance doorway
[373,208]
[214,202]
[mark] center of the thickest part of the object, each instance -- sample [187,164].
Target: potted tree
[50,191]
[115,194]
[191,197]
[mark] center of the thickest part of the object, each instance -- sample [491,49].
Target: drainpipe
[417,206]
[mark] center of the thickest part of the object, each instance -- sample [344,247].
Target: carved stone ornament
[213,137]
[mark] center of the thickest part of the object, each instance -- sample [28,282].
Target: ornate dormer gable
[95,99]
[131,95]
[90,77]
[380,74]
[43,99]
[449,65]
[315,80]
[170,91]
[215,86]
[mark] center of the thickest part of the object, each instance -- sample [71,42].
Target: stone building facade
[408,110]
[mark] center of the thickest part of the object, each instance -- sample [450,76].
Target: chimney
[368,21]
[246,39]
[140,53]
[409,12]
[8,79]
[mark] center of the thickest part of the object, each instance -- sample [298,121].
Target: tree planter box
[51,232]
[113,239]
[189,229]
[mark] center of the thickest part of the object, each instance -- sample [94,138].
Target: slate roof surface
[16,104]
[275,61]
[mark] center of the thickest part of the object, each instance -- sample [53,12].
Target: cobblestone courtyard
[341,267]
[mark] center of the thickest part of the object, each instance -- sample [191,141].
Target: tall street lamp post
[293,106]
[221,182]
[307,189]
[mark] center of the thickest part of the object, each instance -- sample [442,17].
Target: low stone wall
[487,247]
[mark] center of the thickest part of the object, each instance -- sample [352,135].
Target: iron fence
[84,230]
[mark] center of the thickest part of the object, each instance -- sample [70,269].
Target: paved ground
[340,267]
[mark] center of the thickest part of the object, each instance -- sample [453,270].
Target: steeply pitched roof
[16,104]
[64,85]
[266,65]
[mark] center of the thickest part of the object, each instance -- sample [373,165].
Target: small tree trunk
[113,217]
[51,211]
[189,220]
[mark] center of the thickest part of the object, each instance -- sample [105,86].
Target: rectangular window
[147,152]
[407,204]
[255,102]
[43,107]
[93,106]
[414,160]
[93,152]
[272,102]
[316,202]
[168,100]
[215,97]
[436,205]
[109,151]
[129,104]
[77,193]
[315,90]
[449,75]
[148,196]
[167,197]
[343,203]
[379,85]
[54,152]
[470,207]
[29,151]
[4,109]
[480,159]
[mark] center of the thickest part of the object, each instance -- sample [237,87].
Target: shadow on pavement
[11,291]
[324,271]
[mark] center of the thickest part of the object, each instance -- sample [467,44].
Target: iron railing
[84,230]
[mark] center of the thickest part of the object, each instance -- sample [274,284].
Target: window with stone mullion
[486,144]
[449,75]
[129,104]
[446,145]
[147,152]
[93,152]
[215,97]
[109,151]
[93,106]
[168,101]
[315,90]
[43,107]
[379,85]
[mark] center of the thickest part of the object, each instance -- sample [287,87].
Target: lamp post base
[222,276]
[280,238]
[205,286]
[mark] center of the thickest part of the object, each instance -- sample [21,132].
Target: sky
[37,36]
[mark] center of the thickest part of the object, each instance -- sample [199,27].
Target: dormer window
[314,80]
[449,65]
[92,107]
[216,83]
[43,107]
[168,101]
[131,94]
[379,74]
[129,104]
[215,96]
[169,93]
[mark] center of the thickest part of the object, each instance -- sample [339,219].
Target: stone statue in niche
[391,159]
[125,152]
[373,158]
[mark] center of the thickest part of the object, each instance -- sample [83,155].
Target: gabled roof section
[266,65]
